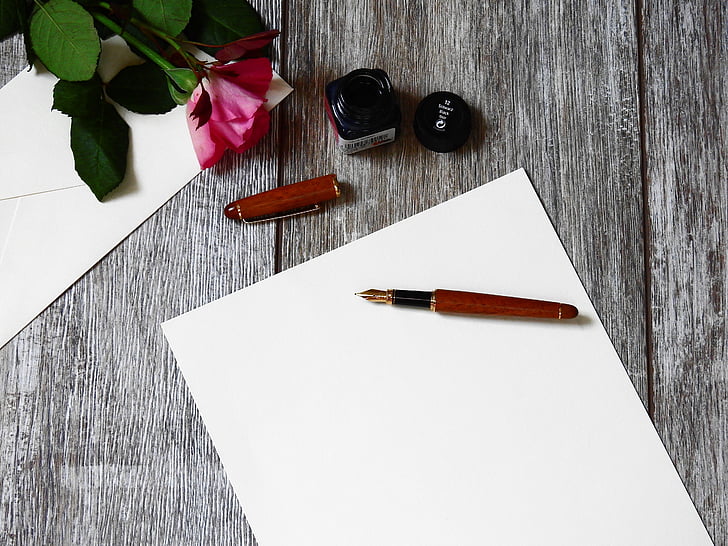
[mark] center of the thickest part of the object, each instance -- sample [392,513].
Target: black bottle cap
[442,122]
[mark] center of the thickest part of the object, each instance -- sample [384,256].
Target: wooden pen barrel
[452,301]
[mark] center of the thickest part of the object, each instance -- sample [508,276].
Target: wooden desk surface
[618,113]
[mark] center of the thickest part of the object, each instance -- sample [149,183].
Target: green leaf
[100,145]
[13,17]
[79,99]
[219,22]
[65,40]
[169,17]
[142,89]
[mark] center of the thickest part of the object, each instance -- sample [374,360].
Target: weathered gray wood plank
[686,115]
[101,442]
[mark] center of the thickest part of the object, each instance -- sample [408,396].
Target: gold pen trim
[337,188]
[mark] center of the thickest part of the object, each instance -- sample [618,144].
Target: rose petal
[207,150]
[230,101]
[237,118]
[241,134]
[246,47]
[261,125]
[253,75]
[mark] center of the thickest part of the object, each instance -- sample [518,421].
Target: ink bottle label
[363,110]
[364,143]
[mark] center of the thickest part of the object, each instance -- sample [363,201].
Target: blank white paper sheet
[342,422]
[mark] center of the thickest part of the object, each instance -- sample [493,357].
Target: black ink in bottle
[363,110]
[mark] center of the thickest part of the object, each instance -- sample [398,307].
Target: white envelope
[52,228]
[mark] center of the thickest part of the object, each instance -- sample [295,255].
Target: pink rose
[226,110]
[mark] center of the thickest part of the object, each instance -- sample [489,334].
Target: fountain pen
[473,303]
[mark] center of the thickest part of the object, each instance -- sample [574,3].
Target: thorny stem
[134,41]
[191,61]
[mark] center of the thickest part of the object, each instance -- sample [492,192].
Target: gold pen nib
[381,296]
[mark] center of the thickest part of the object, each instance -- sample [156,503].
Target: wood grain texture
[452,301]
[100,442]
[285,200]
[686,121]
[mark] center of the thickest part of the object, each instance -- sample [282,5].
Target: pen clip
[285,201]
[282,214]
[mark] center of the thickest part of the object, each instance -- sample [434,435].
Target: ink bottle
[363,110]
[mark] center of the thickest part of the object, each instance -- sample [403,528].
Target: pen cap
[442,122]
[285,201]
